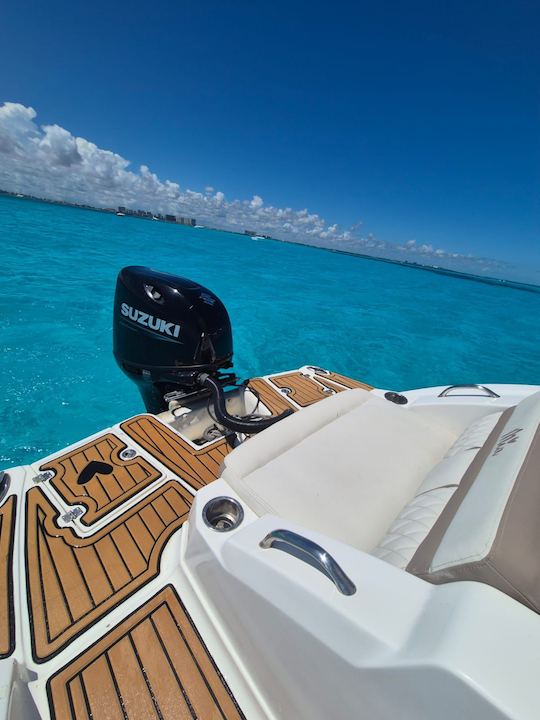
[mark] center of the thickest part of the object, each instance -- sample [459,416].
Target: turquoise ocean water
[392,326]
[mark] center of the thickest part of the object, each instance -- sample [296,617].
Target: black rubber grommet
[396,398]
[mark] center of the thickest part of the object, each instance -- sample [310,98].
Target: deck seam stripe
[115,683]
[196,662]
[143,672]
[85,696]
[171,666]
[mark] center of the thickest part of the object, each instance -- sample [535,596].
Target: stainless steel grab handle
[308,551]
[488,392]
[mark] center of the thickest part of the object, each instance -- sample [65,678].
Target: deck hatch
[95,476]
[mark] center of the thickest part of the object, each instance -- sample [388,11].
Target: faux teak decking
[79,566]
[152,665]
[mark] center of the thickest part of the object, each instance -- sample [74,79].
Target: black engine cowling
[171,335]
[167,330]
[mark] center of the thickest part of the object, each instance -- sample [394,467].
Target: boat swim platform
[97,518]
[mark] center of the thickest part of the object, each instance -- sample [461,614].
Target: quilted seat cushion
[417,518]
[412,525]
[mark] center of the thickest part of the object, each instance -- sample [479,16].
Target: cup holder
[223,514]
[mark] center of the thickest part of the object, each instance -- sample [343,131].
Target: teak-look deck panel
[73,581]
[196,467]
[7,539]
[303,390]
[343,380]
[153,666]
[272,399]
[102,492]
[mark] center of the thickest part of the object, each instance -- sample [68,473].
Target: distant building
[251,233]
[147,214]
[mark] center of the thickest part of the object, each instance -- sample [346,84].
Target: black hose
[241,425]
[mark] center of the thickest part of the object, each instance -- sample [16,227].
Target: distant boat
[121,214]
[199,227]
[154,217]
[19,195]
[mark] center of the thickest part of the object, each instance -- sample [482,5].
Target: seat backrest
[489,531]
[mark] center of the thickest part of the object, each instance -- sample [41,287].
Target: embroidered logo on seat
[511,436]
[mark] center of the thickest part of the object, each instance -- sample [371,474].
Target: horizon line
[448,272]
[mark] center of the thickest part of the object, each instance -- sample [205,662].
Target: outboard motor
[173,338]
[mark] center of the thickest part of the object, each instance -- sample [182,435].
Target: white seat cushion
[348,478]
[285,434]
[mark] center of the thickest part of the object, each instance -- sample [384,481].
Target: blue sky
[419,119]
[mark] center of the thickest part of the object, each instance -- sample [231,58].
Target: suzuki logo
[149,321]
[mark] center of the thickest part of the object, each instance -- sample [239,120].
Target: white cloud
[48,161]
[256,202]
